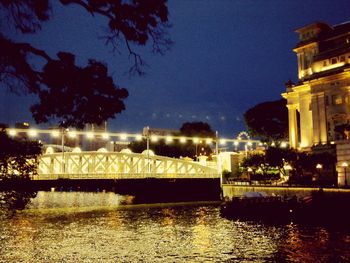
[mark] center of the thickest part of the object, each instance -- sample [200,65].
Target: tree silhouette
[69,93]
[268,120]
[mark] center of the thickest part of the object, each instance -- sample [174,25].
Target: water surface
[104,227]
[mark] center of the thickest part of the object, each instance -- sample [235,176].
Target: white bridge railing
[117,165]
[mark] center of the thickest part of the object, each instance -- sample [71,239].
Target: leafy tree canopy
[268,120]
[200,129]
[69,93]
[18,158]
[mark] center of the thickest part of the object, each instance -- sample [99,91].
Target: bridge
[102,164]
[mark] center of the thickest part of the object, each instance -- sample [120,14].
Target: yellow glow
[33,133]
[169,139]
[208,141]
[12,132]
[72,134]
[222,141]
[138,137]
[319,166]
[89,135]
[344,164]
[154,138]
[195,140]
[182,139]
[236,143]
[55,134]
[249,143]
[283,144]
[105,136]
[123,136]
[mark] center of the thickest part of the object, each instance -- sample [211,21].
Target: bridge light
[249,143]
[222,141]
[236,143]
[195,140]
[105,136]
[123,136]
[89,135]
[182,139]
[138,137]
[154,138]
[169,139]
[55,134]
[72,134]
[12,132]
[33,133]
[208,141]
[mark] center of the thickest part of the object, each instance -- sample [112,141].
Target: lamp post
[345,165]
[319,169]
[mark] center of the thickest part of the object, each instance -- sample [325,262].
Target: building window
[337,99]
[334,60]
[342,59]
[325,63]
[326,100]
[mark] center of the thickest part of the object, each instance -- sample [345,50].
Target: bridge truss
[118,165]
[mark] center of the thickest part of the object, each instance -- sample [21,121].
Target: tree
[18,157]
[268,120]
[71,94]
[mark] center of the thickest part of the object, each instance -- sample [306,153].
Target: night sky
[227,57]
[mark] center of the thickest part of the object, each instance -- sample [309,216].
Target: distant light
[319,166]
[249,143]
[12,132]
[138,137]
[273,144]
[33,133]
[222,141]
[208,141]
[344,164]
[195,140]
[283,145]
[72,134]
[55,134]
[105,136]
[236,143]
[154,138]
[123,136]
[89,135]
[169,139]
[182,139]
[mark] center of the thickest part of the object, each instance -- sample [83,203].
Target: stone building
[318,105]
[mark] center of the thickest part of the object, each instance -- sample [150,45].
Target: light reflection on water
[101,227]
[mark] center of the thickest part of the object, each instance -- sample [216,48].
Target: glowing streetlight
[123,136]
[105,136]
[72,134]
[208,141]
[154,138]
[55,134]
[195,140]
[182,139]
[33,133]
[169,139]
[12,132]
[89,135]
[222,141]
[138,137]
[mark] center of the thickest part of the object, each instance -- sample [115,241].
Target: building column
[306,128]
[293,125]
[319,118]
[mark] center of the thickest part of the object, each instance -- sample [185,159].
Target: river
[105,227]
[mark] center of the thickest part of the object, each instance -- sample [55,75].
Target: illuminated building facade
[321,96]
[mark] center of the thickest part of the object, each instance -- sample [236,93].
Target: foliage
[69,93]
[268,120]
[18,158]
